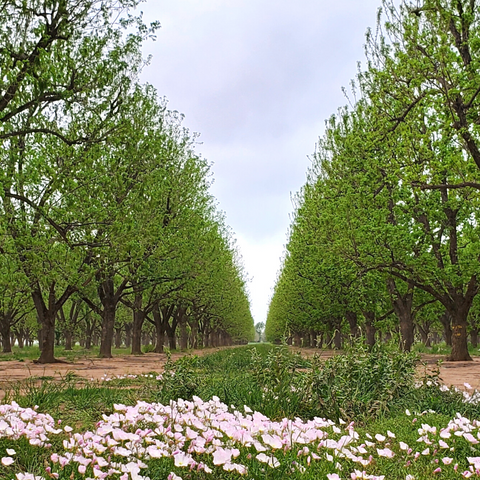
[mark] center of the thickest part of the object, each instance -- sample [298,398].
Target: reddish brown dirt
[89,368]
[451,373]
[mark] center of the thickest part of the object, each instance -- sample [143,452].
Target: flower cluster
[206,436]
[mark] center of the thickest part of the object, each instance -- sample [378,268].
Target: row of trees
[103,200]
[386,230]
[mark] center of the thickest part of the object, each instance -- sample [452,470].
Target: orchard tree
[65,68]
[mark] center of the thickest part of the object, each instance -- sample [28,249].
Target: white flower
[182,459]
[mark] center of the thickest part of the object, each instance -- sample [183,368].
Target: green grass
[442,349]
[373,389]
[33,352]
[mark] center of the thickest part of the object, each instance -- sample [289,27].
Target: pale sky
[257,79]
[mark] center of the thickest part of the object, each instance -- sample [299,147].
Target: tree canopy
[388,221]
[103,199]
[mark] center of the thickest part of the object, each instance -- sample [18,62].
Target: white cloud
[257,79]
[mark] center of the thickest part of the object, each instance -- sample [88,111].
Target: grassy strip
[372,389]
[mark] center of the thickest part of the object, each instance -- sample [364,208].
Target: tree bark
[128,335]
[109,301]
[161,317]
[118,337]
[5,322]
[353,323]
[474,337]
[370,329]
[460,335]
[48,338]
[171,329]
[182,322]
[402,306]
[194,333]
[68,339]
[445,320]
[89,329]
[138,319]
[337,339]
[424,329]
[47,313]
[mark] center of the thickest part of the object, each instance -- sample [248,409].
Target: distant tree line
[385,237]
[108,233]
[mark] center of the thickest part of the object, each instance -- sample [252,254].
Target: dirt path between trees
[451,373]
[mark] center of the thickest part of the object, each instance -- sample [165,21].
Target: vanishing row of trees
[103,200]
[386,229]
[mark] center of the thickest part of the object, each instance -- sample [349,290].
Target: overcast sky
[257,79]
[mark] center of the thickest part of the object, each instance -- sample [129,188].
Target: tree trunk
[5,322]
[160,320]
[109,302]
[118,337]
[89,329]
[214,338]
[39,334]
[424,330]
[460,335]
[68,339]
[138,319]
[128,335]
[402,306]
[337,339]
[194,333]
[182,322]
[48,337]
[474,337]
[370,329]
[171,329]
[353,323]
[88,341]
[160,341]
[46,314]
[445,320]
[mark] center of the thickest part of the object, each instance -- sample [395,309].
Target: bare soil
[90,368]
[451,373]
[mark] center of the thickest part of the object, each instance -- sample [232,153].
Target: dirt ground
[451,373]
